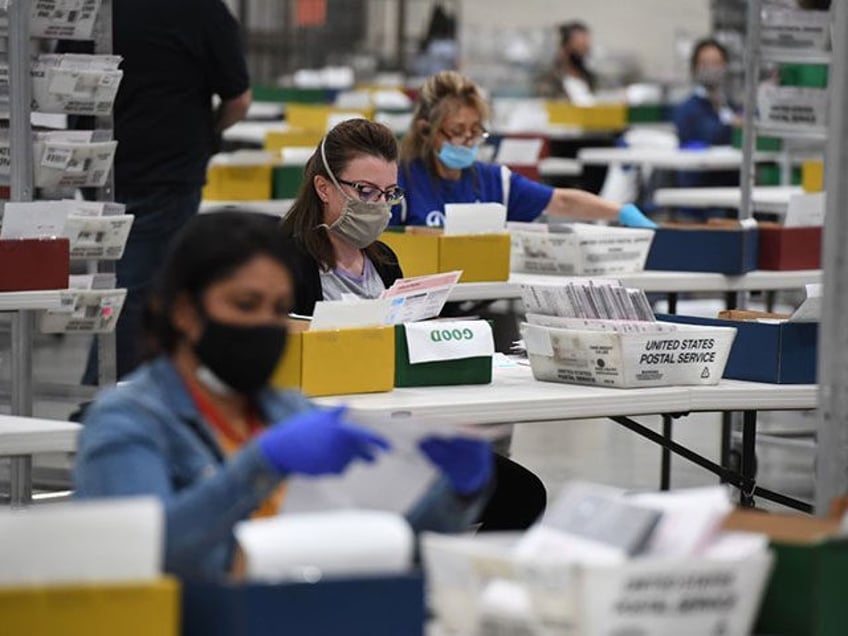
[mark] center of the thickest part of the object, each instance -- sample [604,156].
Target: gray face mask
[711,77]
[361,222]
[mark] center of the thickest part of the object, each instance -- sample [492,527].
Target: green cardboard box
[285,181]
[806,593]
[476,370]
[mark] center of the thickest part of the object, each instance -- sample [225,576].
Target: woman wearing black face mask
[569,77]
[332,229]
[198,426]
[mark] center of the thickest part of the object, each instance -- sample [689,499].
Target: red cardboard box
[789,248]
[33,264]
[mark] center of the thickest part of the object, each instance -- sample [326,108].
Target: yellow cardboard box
[812,176]
[421,251]
[238,183]
[600,117]
[338,362]
[132,609]
[276,140]
[318,116]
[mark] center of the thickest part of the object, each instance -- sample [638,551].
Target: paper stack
[603,562]
[596,332]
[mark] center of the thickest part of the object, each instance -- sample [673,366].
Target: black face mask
[577,60]
[242,357]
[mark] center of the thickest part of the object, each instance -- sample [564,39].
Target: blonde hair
[441,95]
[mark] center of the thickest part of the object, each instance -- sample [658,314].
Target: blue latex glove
[631,216]
[318,442]
[467,463]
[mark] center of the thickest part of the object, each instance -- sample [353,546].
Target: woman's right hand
[319,442]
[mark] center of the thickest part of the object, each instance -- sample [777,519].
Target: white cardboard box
[587,250]
[686,356]
[665,597]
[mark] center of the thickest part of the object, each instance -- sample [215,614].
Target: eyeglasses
[474,137]
[371,194]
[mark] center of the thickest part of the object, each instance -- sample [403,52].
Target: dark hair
[568,29]
[706,43]
[208,249]
[344,143]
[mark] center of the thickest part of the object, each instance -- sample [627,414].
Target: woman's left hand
[631,216]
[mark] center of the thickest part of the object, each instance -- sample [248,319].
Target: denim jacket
[146,437]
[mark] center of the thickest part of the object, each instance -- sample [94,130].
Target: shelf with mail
[65,158]
[95,230]
[68,84]
[91,304]
[59,19]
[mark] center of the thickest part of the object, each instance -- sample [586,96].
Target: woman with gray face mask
[707,116]
[706,119]
[343,206]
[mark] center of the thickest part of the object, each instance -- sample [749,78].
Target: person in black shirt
[176,57]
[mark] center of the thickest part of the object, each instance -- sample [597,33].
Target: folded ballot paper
[96,230]
[597,332]
[120,540]
[316,546]
[407,300]
[578,249]
[606,562]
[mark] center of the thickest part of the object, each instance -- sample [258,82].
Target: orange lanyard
[217,421]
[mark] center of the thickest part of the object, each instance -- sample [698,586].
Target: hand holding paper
[319,442]
[467,463]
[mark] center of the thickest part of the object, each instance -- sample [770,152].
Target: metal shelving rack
[831,478]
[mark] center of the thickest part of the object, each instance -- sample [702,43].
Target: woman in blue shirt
[706,118]
[200,427]
[439,165]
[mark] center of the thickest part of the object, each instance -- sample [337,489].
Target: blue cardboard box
[780,353]
[702,248]
[378,606]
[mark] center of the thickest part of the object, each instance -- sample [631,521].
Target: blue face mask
[458,157]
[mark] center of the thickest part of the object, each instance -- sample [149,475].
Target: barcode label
[57,158]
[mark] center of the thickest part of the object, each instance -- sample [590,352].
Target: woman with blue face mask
[439,165]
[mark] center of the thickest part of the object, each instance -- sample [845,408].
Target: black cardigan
[307,288]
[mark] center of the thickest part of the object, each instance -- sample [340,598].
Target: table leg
[731,300]
[726,439]
[665,463]
[22,363]
[20,481]
[672,302]
[749,453]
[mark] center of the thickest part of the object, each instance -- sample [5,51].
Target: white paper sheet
[519,152]
[805,210]
[303,547]
[474,218]
[448,340]
[103,541]
[38,219]
[349,314]
[810,310]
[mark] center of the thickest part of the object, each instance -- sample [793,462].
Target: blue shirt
[697,121]
[427,194]
[700,125]
[147,437]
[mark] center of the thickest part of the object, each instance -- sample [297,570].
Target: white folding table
[768,199]
[514,396]
[23,437]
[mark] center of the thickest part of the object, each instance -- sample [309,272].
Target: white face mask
[361,222]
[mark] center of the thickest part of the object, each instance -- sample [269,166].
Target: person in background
[349,186]
[439,165]
[200,428]
[569,76]
[176,58]
[707,116]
